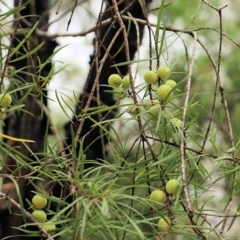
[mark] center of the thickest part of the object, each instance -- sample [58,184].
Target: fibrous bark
[20,124]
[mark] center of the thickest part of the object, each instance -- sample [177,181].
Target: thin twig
[224,102]
[134,95]
[213,228]
[103,60]
[167,28]
[59,6]
[138,43]
[27,214]
[210,5]
[70,19]
[11,43]
[182,140]
[182,145]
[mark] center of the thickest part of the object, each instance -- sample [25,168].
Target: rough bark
[23,125]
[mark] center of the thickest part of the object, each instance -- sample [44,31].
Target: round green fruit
[5,100]
[150,77]
[150,103]
[163,72]
[126,82]
[114,80]
[40,216]
[119,93]
[158,197]
[163,92]
[130,108]
[176,122]
[171,83]
[155,110]
[39,202]
[135,109]
[164,224]
[2,113]
[172,186]
[49,227]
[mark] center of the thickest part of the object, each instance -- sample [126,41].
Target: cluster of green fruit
[153,107]
[5,101]
[165,91]
[159,197]
[119,84]
[39,215]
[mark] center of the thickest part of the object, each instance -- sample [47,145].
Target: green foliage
[111,200]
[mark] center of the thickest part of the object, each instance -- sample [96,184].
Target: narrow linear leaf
[29,53]
[24,40]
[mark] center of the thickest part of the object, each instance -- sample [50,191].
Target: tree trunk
[94,139]
[20,124]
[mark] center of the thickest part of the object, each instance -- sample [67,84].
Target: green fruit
[163,72]
[171,83]
[155,110]
[176,122]
[158,197]
[119,93]
[150,77]
[39,202]
[2,113]
[5,100]
[130,108]
[49,227]
[126,82]
[172,186]
[164,224]
[163,92]
[40,216]
[114,80]
[135,109]
[150,103]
